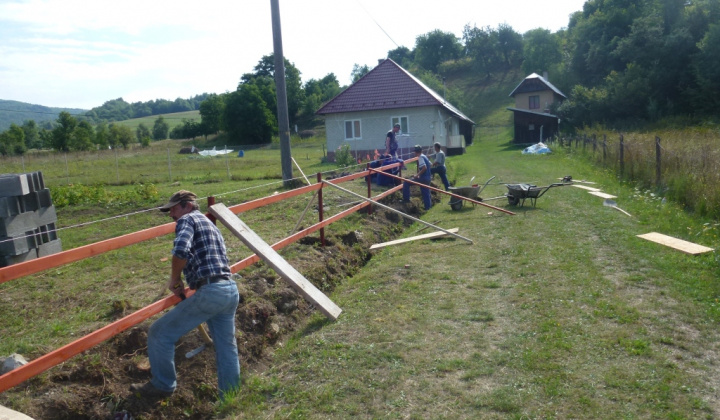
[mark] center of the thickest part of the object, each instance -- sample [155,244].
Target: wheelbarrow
[471,192]
[518,193]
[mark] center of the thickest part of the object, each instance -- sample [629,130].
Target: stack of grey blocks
[27,219]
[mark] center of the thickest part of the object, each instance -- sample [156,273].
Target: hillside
[19,112]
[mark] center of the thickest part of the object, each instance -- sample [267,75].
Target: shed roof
[535,83]
[387,86]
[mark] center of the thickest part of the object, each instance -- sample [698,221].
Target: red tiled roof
[387,86]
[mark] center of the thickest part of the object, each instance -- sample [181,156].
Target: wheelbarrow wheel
[512,200]
[456,205]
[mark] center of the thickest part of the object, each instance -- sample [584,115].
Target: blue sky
[79,53]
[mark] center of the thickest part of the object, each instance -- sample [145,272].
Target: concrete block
[31,201]
[14,259]
[47,233]
[49,248]
[10,246]
[13,185]
[11,206]
[45,197]
[8,414]
[20,223]
[34,182]
[46,215]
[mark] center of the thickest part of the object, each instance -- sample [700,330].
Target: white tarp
[214,152]
[536,149]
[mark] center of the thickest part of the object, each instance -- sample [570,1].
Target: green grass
[557,312]
[171,119]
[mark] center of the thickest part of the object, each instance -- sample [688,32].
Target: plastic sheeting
[536,149]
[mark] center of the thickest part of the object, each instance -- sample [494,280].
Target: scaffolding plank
[679,244]
[413,238]
[296,280]
[585,188]
[601,194]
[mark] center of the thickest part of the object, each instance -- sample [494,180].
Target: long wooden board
[601,194]
[585,188]
[413,238]
[679,244]
[274,260]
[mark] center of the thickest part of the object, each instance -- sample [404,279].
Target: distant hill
[19,112]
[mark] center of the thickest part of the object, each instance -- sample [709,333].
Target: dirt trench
[95,384]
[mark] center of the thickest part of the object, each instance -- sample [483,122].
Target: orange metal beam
[55,357]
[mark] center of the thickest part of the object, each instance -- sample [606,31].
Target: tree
[480,47]
[402,55]
[142,132]
[706,67]
[358,72]
[264,76]
[32,138]
[62,134]
[160,129]
[82,138]
[211,113]
[435,47]
[509,45]
[102,134]
[120,135]
[12,141]
[541,51]
[247,119]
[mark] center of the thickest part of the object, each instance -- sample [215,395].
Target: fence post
[320,208]
[594,142]
[67,170]
[169,167]
[604,148]
[369,187]
[117,166]
[657,161]
[211,201]
[227,162]
[622,155]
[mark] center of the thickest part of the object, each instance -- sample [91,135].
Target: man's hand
[176,286]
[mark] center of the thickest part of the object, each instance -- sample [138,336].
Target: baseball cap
[177,198]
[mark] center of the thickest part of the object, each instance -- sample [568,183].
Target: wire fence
[686,170]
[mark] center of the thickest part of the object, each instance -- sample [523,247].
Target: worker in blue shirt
[423,176]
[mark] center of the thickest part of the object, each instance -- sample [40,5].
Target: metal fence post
[622,155]
[369,187]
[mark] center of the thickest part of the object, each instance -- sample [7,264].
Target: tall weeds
[689,162]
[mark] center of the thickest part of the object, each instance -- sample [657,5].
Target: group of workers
[199,255]
[425,170]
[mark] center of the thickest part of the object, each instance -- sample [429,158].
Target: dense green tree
[142,132]
[403,56]
[247,119]
[160,129]
[46,137]
[509,46]
[541,51]
[82,137]
[480,47]
[101,135]
[120,135]
[12,141]
[706,67]
[434,47]
[264,77]
[359,71]
[63,132]
[32,137]
[211,112]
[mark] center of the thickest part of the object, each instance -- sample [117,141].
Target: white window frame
[404,122]
[356,126]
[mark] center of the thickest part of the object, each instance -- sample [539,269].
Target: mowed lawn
[557,312]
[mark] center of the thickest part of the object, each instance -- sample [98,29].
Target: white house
[363,113]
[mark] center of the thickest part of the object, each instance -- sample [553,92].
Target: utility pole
[281,92]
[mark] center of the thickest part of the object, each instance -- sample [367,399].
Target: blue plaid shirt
[200,242]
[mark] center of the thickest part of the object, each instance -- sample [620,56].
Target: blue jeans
[424,191]
[215,304]
[442,171]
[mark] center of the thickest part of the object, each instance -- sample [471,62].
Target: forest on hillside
[622,63]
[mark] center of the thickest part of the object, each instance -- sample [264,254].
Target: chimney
[545,76]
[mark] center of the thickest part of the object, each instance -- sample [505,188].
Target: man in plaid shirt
[199,253]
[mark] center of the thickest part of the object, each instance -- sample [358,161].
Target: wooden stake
[413,238]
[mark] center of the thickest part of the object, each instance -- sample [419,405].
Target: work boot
[148,390]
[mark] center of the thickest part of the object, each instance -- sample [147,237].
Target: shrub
[344,157]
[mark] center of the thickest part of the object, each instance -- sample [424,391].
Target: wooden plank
[585,188]
[601,194]
[679,244]
[580,181]
[274,260]
[413,238]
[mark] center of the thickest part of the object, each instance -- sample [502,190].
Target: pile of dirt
[95,385]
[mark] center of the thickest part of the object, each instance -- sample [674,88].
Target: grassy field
[557,312]
[172,120]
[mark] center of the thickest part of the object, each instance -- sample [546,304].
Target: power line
[378,25]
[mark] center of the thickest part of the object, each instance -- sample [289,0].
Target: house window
[403,121]
[534,102]
[352,130]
